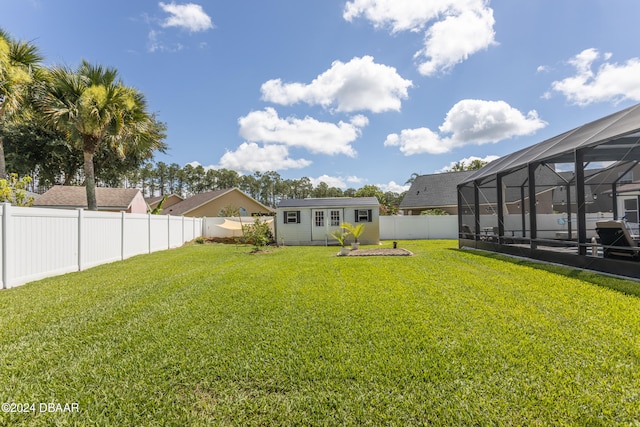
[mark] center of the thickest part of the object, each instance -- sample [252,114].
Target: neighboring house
[311,221]
[212,203]
[436,191]
[108,199]
[172,199]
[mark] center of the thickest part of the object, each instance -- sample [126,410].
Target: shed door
[324,222]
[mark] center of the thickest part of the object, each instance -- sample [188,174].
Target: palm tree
[93,107]
[18,62]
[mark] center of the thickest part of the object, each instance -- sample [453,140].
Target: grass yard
[213,335]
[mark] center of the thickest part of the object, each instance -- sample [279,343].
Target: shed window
[292,217]
[319,218]
[363,215]
[335,218]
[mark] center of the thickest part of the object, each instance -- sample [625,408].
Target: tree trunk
[90,181]
[89,146]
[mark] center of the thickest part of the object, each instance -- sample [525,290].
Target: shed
[108,199]
[311,221]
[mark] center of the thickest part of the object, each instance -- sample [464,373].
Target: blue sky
[351,92]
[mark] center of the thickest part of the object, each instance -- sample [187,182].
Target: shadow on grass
[626,286]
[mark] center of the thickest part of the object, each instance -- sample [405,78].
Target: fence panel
[176,231]
[36,242]
[101,238]
[42,243]
[136,235]
[415,227]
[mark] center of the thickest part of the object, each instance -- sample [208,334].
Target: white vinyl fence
[38,243]
[416,227]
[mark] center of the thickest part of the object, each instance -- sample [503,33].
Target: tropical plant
[340,235]
[158,209]
[93,107]
[14,190]
[354,230]
[18,62]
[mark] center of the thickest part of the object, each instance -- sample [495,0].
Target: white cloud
[308,133]
[469,122]
[357,85]
[156,44]
[393,187]
[331,181]
[338,181]
[467,161]
[190,17]
[250,157]
[453,29]
[417,141]
[611,82]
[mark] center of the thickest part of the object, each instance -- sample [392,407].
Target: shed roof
[61,196]
[330,202]
[614,137]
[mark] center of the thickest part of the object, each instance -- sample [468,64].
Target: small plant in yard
[341,236]
[354,230]
[258,234]
[200,240]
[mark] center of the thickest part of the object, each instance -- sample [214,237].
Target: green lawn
[213,335]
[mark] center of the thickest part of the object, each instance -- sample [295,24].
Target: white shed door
[324,222]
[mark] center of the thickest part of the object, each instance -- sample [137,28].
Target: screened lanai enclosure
[573,199]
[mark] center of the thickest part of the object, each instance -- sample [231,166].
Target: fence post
[149,227]
[80,237]
[6,213]
[122,235]
[168,231]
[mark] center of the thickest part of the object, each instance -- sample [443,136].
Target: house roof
[616,137]
[61,196]
[434,190]
[329,202]
[156,199]
[191,203]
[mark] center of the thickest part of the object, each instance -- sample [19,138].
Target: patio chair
[615,237]
[467,233]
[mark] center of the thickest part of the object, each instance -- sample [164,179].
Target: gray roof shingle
[329,202]
[434,190]
[61,196]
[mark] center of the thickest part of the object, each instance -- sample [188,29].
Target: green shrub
[258,234]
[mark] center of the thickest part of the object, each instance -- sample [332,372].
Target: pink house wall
[138,204]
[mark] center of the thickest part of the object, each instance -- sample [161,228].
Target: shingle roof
[194,202]
[198,200]
[61,196]
[329,202]
[434,190]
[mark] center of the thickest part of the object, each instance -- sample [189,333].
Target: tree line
[268,188]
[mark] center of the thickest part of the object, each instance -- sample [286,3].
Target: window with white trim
[292,217]
[363,215]
[319,216]
[335,218]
